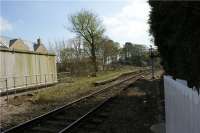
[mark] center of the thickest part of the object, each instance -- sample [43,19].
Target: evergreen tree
[175,28]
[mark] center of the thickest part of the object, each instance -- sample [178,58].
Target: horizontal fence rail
[17,82]
[182,107]
[24,69]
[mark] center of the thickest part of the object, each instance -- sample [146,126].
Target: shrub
[176,31]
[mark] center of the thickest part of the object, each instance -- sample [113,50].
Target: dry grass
[80,85]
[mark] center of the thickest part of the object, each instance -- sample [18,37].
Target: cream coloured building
[24,64]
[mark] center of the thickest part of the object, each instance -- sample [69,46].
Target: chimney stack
[39,41]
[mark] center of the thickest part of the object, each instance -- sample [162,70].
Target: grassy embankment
[79,86]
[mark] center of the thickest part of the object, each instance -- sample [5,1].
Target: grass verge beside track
[79,85]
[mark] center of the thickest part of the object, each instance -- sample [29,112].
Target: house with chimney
[39,47]
[19,44]
[25,64]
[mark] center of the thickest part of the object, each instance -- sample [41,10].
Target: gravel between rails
[135,110]
[21,108]
[107,94]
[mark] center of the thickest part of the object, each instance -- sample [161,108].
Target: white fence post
[182,107]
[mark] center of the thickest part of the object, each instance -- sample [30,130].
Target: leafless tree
[87,25]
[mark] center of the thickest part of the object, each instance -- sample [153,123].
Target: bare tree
[87,25]
[77,45]
[56,47]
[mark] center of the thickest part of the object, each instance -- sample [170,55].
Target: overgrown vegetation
[88,26]
[175,28]
[74,58]
[91,51]
[134,54]
[78,86]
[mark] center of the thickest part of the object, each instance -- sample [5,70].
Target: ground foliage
[134,54]
[175,28]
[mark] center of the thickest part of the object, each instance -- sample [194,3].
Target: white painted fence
[182,106]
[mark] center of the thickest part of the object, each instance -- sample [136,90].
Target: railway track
[18,92]
[90,123]
[69,116]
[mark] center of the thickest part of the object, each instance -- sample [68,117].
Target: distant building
[19,44]
[39,47]
[24,65]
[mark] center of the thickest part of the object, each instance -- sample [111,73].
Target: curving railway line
[70,116]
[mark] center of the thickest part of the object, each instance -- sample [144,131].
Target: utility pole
[151,53]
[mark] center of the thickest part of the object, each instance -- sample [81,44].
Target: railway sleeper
[63,118]
[58,123]
[102,115]
[90,132]
[91,129]
[50,126]
[96,120]
[89,126]
[44,130]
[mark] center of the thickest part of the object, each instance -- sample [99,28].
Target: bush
[175,28]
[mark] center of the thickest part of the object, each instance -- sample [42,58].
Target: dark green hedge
[175,27]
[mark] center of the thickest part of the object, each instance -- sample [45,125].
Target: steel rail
[93,110]
[67,106]
[84,116]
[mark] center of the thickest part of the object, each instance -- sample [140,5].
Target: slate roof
[6,42]
[12,42]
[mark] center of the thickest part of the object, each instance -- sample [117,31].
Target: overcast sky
[125,20]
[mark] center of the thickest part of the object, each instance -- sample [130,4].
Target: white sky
[124,23]
[130,23]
